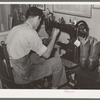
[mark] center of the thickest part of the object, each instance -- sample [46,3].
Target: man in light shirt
[22,40]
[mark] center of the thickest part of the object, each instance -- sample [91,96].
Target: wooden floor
[62,87]
[66,87]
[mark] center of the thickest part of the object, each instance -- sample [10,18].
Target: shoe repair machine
[79,29]
[86,56]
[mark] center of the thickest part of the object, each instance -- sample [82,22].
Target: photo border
[15,94]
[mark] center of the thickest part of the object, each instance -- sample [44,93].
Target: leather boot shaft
[94,55]
[84,52]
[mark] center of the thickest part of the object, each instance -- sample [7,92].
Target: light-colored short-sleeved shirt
[22,39]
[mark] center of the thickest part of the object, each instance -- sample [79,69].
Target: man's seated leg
[47,67]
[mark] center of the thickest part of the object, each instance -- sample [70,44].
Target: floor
[66,87]
[0,84]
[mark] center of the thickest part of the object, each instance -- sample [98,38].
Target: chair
[6,75]
[70,68]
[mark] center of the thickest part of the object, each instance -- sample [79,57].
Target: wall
[4,12]
[93,22]
[6,9]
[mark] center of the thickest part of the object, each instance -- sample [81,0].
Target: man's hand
[59,51]
[55,32]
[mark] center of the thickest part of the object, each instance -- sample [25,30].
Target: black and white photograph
[50,46]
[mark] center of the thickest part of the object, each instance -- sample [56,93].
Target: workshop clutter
[89,53]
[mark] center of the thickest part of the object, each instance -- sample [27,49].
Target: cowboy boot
[84,52]
[94,55]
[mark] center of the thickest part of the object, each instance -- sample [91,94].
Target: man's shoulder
[24,31]
[23,28]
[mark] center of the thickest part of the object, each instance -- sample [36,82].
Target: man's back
[18,49]
[18,41]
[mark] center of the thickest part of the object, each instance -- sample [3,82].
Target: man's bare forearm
[51,44]
[49,48]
